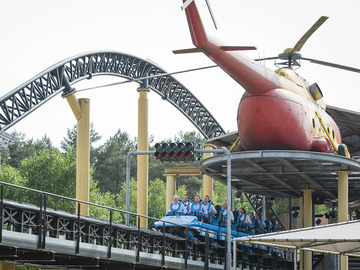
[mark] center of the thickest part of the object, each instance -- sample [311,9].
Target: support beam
[81,110]
[301,211]
[301,225]
[343,199]
[308,217]
[83,156]
[291,226]
[6,266]
[207,180]
[263,207]
[182,171]
[143,160]
[170,189]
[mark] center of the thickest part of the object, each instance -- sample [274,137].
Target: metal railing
[42,227]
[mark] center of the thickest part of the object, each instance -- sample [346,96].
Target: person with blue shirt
[224,212]
[197,207]
[210,208]
[245,219]
[187,202]
[262,224]
[177,207]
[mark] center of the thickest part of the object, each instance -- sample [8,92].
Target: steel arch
[60,77]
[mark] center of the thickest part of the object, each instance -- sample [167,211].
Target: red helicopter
[279,110]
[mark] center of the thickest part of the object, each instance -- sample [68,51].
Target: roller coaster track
[60,77]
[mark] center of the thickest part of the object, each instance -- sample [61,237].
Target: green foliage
[281,206]
[11,175]
[181,191]
[321,209]
[219,193]
[190,136]
[121,200]
[243,202]
[157,200]
[201,193]
[69,143]
[41,166]
[52,172]
[105,199]
[110,165]
[24,148]
[156,168]
[71,140]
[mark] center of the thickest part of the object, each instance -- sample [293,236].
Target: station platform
[285,173]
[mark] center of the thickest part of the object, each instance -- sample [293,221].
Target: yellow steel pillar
[308,221]
[301,212]
[5,266]
[142,160]
[170,189]
[343,210]
[207,180]
[301,225]
[81,110]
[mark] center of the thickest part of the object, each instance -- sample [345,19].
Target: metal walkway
[36,235]
[49,238]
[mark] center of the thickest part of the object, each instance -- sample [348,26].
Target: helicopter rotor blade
[332,65]
[185,5]
[306,36]
[267,58]
[211,13]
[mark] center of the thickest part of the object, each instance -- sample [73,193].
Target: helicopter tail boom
[255,78]
[197,31]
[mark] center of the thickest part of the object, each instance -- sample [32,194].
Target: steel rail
[60,77]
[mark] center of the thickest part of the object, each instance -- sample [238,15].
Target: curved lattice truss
[60,77]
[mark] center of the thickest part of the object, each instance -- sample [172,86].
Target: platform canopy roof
[339,238]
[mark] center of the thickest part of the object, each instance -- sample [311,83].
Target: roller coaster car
[274,226]
[268,226]
[218,218]
[198,229]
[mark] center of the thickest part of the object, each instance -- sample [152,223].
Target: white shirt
[212,207]
[224,212]
[247,220]
[175,206]
[262,221]
[196,207]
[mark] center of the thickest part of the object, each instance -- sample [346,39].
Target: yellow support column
[5,266]
[170,189]
[207,180]
[301,210]
[83,156]
[81,110]
[301,225]
[142,160]
[308,221]
[343,199]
